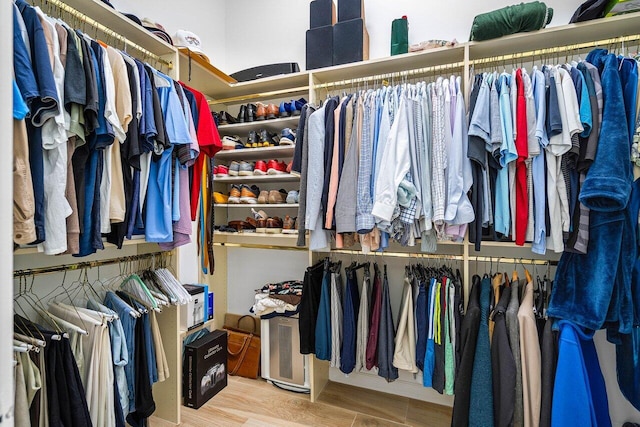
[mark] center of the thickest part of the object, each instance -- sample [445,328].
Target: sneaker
[234,168]
[293,197]
[230,142]
[219,198]
[249,194]
[245,169]
[221,171]
[283,110]
[274,225]
[260,168]
[287,137]
[277,197]
[253,140]
[263,198]
[275,167]
[289,225]
[234,194]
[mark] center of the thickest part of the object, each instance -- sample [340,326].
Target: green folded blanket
[519,18]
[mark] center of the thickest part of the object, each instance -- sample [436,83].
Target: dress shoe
[289,225]
[242,226]
[242,114]
[272,111]
[274,225]
[261,111]
[250,114]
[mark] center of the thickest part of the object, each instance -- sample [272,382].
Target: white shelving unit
[273,125]
[263,153]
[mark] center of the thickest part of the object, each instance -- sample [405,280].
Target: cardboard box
[205,368]
[194,313]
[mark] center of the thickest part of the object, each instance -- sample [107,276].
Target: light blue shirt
[20,108]
[508,154]
[480,125]
[539,244]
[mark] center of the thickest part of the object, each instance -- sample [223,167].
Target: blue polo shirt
[23,71]
[20,109]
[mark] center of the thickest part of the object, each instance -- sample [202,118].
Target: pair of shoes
[272,167]
[225,118]
[232,142]
[225,229]
[243,226]
[219,198]
[291,109]
[265,224]
[273,197]
[243,194]
[268,112]
[287,137]
[247,113]
[240,168]
[290,225]
[293,197]
[262,138]
[220,171]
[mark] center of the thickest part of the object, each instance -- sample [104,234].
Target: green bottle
[399,36]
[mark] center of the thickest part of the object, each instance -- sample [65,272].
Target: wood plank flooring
[256,403]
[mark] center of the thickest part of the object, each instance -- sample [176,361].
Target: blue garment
[628,71]
[386,336]
[586,115]
[579,393]
[481,407]
[147,126]
[23,71]
[430,355]
[508,154]
[539,243]
[422,324]
[323,323]
[128,322]
[20,109]
[349,321]
[174,120]
[158,224]
[149,345]
[175,205]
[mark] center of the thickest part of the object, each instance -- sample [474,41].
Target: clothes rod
[95,24]
[512,260]
[397,74]
[554,50]
[399,254]
[87,264]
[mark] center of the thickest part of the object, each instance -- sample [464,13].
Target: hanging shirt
[386,345]
[508,154]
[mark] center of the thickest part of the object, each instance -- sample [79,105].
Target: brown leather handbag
[243,350]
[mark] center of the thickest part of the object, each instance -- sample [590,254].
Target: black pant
[309,303]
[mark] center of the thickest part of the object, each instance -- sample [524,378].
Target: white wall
[205,18]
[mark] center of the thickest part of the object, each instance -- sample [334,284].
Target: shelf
[286,177]
[258,205]
[257,240]
[206,324]
[564,35]
[122,25]
[263,153]
[273,125]
[135,241]
[407,61]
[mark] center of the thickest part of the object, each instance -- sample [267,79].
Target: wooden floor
[253,403]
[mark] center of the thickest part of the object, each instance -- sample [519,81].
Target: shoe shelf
[257,205]
[273,125]
[262,153]
[222,238]
[285,177]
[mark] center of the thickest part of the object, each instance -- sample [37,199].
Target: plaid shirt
[364,220]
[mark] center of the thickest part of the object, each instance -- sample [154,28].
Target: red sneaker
[221,172]
[275,167]
[260,168]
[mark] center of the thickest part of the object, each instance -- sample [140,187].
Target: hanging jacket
[503,366]
[513,329]
[481,407]
[579,395]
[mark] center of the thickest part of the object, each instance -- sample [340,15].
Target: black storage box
[263,71]
[350,9]
[350,42]
[205,368]
[322,13]
[320,47]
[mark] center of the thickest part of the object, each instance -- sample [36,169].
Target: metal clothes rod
[95,24]
[512,260]
[554,50]
[399,254]
[87,264]
[397,74]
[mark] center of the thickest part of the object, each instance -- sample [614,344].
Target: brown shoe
[251,221]
[242,226]
[274,225]
[261,225]
[289,225]
[277,196]
[261,112]
[272,111]
[263,198]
